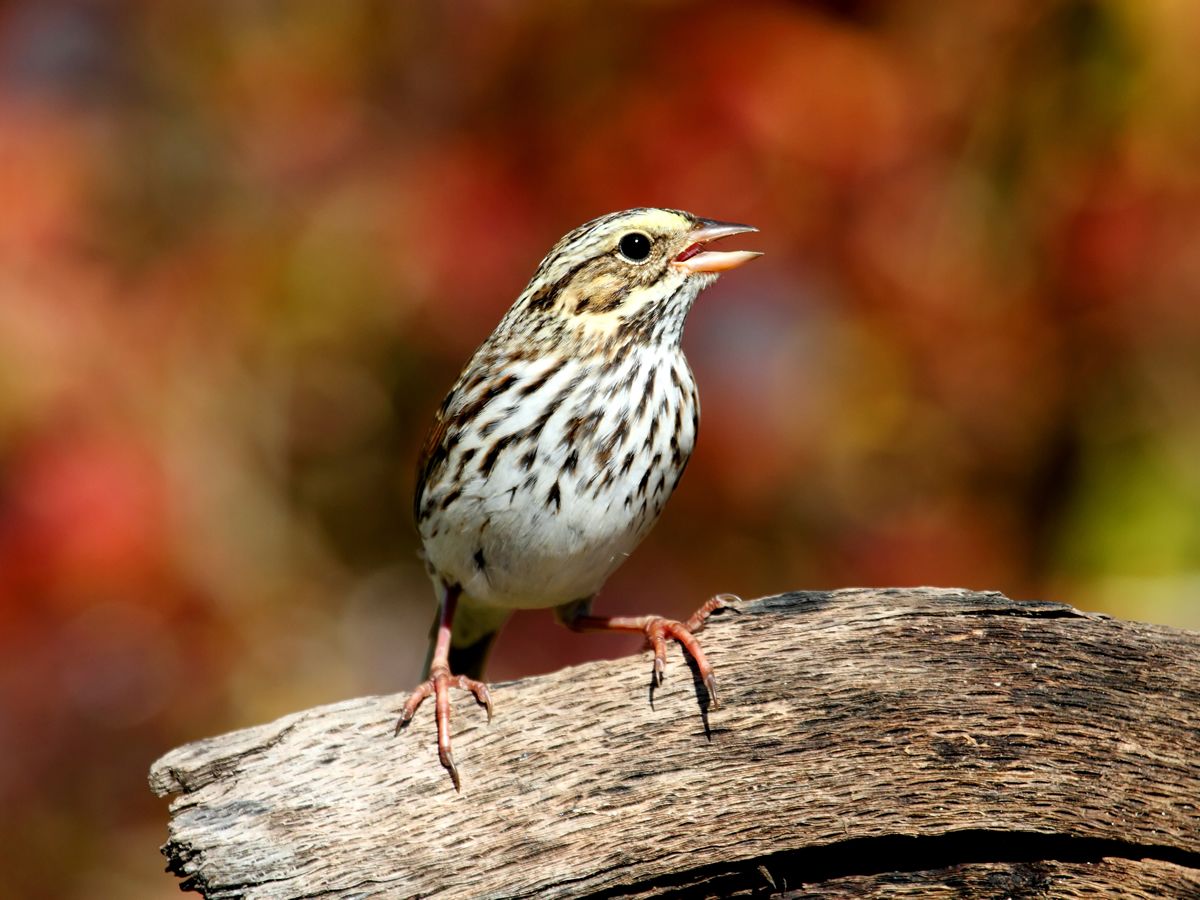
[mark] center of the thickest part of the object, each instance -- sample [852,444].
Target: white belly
[549,516]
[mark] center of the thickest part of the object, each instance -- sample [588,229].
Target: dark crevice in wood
[898,854]
[993,605]
[1033,609]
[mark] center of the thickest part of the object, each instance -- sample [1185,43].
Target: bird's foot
[658,629]
[438,686]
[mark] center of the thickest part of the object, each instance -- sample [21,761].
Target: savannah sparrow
[553,454]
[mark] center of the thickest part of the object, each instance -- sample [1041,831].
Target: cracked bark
[871,743]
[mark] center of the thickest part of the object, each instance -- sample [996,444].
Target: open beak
[695,258]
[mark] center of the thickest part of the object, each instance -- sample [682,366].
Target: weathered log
[870,743]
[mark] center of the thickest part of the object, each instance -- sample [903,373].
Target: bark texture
[870,743]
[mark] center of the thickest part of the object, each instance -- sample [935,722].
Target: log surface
[870,743]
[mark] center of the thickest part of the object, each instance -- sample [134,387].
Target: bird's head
[635,272]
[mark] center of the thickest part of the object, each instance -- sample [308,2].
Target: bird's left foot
[658,629]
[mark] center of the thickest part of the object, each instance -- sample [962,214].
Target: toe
[658,642]
[482,696]
[414,701]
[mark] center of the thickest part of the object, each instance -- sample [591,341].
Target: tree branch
[870,743]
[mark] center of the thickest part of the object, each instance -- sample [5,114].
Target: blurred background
[246,247]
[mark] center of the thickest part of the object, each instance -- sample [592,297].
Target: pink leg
[657,629]
[438,686]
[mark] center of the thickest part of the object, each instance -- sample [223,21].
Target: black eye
[634,246]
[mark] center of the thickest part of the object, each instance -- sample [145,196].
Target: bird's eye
[634,246]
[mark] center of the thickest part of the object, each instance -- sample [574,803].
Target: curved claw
[710,682]
[447,760]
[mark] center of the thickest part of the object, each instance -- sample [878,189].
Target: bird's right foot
[438,686]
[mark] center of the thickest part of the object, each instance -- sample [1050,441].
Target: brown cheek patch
[610,293]
[602,292]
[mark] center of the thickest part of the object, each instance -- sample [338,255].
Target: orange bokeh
[244,249]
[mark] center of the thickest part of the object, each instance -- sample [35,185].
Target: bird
[554,452]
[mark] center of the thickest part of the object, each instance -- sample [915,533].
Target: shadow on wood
[871,743]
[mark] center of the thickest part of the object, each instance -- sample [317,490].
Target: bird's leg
[440,681]
[657,629]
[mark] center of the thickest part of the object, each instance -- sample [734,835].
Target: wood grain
[870,743]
